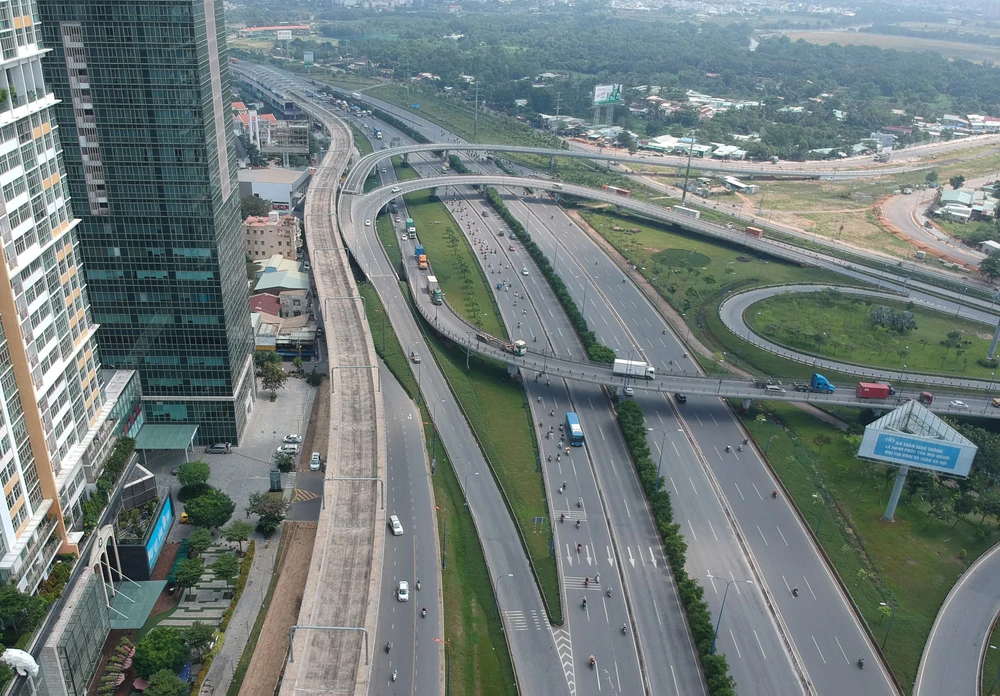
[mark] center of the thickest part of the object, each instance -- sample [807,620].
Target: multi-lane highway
[773,547]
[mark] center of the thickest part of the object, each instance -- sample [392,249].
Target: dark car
[680,398]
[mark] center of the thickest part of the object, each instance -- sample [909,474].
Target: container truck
[633,368]
[434,290]
[419,251]
[819,383]
[872,390]
[687,212]
[410,226]
[756,232]
[422,262]
[517,347]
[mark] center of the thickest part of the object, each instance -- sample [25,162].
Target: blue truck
[419,251]
[819,383]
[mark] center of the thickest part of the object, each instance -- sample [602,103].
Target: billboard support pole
[897,488]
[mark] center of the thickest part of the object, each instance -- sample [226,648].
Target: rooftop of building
[273,175]
[265,221]
[266,303]
[282,280]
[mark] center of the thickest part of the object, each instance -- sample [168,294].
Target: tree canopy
[162,648]
[212,509]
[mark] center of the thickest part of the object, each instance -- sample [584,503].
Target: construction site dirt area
[268,661]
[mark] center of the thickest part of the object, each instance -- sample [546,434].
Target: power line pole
[555,126]
[687,172]
[475,117]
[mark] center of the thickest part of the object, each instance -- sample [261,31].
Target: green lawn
[912,562]
[462,280]
[361,141]
[390,241]
[991,665]
[479,656]
[839,326]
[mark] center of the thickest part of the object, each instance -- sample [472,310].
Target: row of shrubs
[596,351]
[716,668]
[456,163]
[113,468]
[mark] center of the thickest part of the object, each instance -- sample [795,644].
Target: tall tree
[956,181]
[161,649]
[200,540]
[255,206]
[238,531]
[226,567]
[990,267]
[212,510]
[193,473]
[273,378]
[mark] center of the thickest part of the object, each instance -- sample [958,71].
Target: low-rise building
[263,237]
[285,188]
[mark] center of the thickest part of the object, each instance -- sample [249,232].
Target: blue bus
[573,430]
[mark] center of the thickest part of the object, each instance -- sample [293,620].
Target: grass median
[912,562]
[479,655]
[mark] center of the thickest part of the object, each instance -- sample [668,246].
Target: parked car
[315,462]
[218,448]
[397,528]
[288,449]
[403,591]
[292,439]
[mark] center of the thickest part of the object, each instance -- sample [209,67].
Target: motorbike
[394,675]
[578,524]
[418,586]
[795,592]
[609,592]
[388,646]
[861,663]
[562,517]
[774,494]
[739,448]
[423,613]
[584,602]
[728,448]
[592,662]
[579,502]
[624,629]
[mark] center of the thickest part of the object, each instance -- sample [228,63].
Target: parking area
[246,469]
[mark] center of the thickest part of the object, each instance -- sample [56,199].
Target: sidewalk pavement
[220,674]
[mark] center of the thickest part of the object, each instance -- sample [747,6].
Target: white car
[368,223]
[958,404]
[524,270]
[288,449]
[396,189]
[403,591]
[397,528]
[629,391]
[292,439]
[314,462]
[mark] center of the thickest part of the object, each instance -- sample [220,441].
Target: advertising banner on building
[607,94]
[159,535]
[307,58]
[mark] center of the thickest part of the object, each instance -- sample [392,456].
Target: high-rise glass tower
[151,164]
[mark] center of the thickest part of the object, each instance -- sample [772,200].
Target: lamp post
[496,593]
[723,608]
[659,462]
[902,381]
[822,499]
[770,432]
[892,616]
[434,433]
[415,341]
[465,487]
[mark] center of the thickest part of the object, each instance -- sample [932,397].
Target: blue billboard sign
[160,529]
[923,452]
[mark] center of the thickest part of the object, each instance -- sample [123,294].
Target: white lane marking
[652,556]
[756,491]
[738,490]
[692,486]
[675,449]
[717,451]
[672,484]
[601,430]
[738,653]
[656,608]
[673,674]
[691,527]
[627,511]
[762,536]
[782,535]
[842,650]
[700,423]
[818,650]
[713,419]
[759,644]
[711,579]
[712,527]
[809,587]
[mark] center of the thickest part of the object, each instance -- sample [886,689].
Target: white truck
[633,368]
[434,290]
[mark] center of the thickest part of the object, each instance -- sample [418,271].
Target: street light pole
[496,593]
[465,487]
[444,539]
[723,608]
[819,524]
[434,433]
[891,617]
[659,462]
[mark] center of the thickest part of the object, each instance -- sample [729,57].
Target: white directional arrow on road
[569,555]
[652,557]
[630,559]
[611,560]
[590,561]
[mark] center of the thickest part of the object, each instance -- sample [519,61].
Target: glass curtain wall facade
[50,389]
[151,163]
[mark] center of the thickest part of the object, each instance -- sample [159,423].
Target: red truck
[872,390]
[755,232]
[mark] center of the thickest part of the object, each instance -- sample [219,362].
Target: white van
[397,528]
[774,388]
